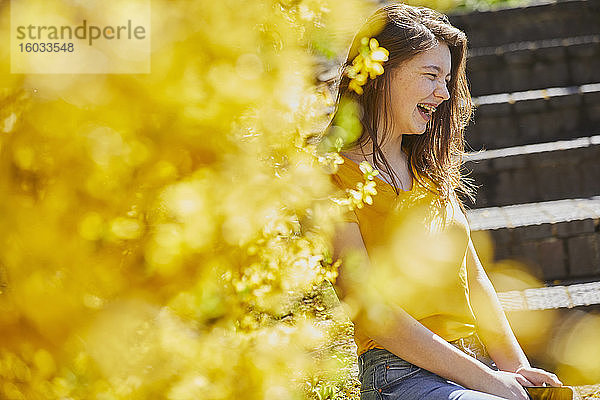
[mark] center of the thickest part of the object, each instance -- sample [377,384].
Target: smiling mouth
[426,108]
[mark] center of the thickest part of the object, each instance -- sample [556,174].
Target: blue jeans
[384,375]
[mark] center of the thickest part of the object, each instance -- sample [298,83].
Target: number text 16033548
[46,47]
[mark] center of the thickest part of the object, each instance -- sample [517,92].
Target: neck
[392,150]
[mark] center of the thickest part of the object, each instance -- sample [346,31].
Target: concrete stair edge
[530,214]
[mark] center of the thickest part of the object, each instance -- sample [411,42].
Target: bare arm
[494,329]
[409,339]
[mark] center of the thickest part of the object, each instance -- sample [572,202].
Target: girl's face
[418,88]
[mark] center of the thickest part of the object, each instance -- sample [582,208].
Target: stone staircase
[535,139]
[489,31]
[557,240]
[535,116]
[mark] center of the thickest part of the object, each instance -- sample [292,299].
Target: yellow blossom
[367,64]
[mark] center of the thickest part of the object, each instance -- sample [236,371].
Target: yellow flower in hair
[378,54]
[367,64]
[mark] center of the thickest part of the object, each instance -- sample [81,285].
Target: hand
[539,377]
[508,385]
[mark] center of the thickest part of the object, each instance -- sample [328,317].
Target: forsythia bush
[166,235]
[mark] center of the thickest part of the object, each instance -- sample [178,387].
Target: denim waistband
[374,357]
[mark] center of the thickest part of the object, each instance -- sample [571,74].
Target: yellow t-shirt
[426,247]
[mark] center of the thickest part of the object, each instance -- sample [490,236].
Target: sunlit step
[583,294]
[548,212]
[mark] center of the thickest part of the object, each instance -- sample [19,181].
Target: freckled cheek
[428,88]
[424,84]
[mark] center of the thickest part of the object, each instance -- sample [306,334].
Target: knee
[473,395]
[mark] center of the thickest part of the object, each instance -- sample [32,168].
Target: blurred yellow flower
[158,228]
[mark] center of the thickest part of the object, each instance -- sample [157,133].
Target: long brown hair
[406,31]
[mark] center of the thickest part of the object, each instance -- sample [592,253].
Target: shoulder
[458,213]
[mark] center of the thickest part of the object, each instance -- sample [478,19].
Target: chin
[417,131]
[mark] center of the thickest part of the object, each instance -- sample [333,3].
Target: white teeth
[427,107]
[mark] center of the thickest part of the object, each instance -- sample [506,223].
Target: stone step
[534,65]
[554,240]
[539,172]
[536,22]
[552,297]
[534,116]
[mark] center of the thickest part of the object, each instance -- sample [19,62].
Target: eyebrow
[438,69]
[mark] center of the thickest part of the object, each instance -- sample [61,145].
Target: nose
[441,91]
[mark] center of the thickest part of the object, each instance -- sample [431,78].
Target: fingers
[523,381]
[539,377]
[553,380]
[511,385]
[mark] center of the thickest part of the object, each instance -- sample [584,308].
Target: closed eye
[434,76]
